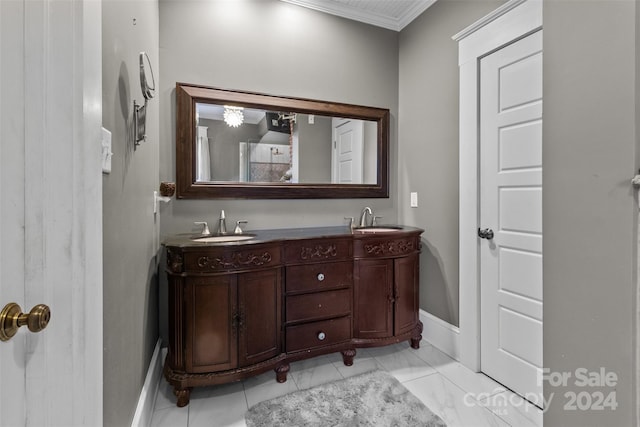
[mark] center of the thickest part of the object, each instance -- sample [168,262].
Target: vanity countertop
[280,234]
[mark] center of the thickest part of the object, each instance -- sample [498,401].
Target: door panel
[520,83]
[259,307]
[511,205]
[514,262]
[211,333]
[520,209]
[373,292]
[512,326]
[521,146]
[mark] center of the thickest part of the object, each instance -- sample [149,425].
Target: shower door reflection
[260,162]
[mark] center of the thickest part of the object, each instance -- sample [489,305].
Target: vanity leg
[182,395]
[348,355]
[417,336]
[415,342]
[281,372]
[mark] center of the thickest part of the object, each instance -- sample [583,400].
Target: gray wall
[273,47]
[223,146]
[590,148]
[130,232]
[428,149]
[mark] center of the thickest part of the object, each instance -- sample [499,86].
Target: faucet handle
[205,228]
[350,218]
[374,222]
[238,229]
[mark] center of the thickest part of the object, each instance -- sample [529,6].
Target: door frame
[510,22]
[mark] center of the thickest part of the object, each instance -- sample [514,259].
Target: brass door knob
[12,318]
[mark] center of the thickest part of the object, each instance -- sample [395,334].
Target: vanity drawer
[318,305]
[318,334]
[305,251]
[314,277]
[229,259]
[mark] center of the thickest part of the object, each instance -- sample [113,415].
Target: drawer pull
[320,277]
[321,336]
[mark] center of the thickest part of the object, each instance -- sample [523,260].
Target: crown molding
[414,12]
[367,17]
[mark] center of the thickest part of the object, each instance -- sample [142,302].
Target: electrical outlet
[414,199]
[312,119]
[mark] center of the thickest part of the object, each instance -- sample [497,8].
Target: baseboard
[442,335]
[147,400]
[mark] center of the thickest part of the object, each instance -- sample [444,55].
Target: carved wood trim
[234,260]
[175,261]
[393,247]
[318,251]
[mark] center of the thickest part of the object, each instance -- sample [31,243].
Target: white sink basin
[375,230]
[225,238]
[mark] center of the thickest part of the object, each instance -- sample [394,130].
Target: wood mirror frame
[187,95]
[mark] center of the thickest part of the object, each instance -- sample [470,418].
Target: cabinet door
[406,285]
[260,308]
[373,298]
[211,335]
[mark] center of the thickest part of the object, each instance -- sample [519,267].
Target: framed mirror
[235,144]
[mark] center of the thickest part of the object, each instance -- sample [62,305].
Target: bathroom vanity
[240,308]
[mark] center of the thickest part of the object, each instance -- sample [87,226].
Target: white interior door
[347,155]
[511,209]
[51,210]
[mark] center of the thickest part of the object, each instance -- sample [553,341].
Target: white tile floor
[460,397]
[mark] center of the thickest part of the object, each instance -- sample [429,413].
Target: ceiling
[390,14]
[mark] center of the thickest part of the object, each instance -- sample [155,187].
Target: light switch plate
[414,199]
[106,151]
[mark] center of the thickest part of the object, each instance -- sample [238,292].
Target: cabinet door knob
[320,277]
[321,336]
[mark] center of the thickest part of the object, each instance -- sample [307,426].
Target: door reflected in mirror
[236,144]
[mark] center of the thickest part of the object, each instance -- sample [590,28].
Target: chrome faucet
[363,216]
[238,229]
[205,228]
[222,223]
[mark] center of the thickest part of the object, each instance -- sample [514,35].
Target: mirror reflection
[251,145]
[237,144]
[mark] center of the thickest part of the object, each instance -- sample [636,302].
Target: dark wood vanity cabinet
[234,320]
[225,314]
[237,310]
[386,290]
[386,297]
